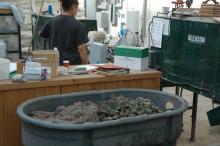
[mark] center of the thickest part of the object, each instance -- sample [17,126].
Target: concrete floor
[205,134]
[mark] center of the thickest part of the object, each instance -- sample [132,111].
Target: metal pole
[194,114]
[61,8]
[177,90]
[85,8]
[144,19]
[19,43]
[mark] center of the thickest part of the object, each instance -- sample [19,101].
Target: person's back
[67,34]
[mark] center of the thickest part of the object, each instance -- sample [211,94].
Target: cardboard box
[47,58]
[135,58]
[20,67]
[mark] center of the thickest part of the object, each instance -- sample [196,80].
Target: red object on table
[178,3]
[109,66]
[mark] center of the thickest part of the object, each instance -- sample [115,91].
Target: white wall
[153,6]
[127,5]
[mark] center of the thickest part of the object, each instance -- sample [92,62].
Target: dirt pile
[90,111]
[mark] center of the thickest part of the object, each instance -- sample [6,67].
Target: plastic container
[165,10]
[50,9]
[66,63]
[3,53]
[160,129]
[4,69]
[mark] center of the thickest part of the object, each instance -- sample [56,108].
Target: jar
[66,63]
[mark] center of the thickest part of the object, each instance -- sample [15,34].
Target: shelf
[10,34]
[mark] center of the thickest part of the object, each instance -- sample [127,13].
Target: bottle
[57,60]
[65,67]
[66,63]
[57,55]
[3,51]
[50,9]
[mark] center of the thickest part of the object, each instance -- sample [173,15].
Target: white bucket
[165,11]
[4,69]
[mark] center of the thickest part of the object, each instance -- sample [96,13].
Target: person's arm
[81,40]
[83,53]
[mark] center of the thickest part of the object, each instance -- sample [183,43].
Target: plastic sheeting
[17,12]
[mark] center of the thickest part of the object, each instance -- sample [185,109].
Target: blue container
[50,9]
[123,32]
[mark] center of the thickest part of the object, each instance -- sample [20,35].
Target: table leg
[177,91]
[194,114]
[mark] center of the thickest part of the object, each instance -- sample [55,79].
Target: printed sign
[196,39]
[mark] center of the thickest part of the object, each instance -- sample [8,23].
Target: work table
[13,94]
[77,79]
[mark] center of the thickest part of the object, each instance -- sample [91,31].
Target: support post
[194,114]
[177,91]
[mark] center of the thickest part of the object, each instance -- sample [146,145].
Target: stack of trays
[210,10]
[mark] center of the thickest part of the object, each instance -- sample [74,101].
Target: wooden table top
[78,79]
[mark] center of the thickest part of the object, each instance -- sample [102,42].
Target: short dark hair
[67,4]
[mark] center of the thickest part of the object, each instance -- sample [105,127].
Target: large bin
[160,129]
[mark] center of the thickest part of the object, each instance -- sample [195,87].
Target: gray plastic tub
[160,129]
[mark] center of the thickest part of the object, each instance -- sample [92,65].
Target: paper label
[156,33]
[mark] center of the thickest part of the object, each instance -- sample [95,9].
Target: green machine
[40,43]
[190,54]
[189,57]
